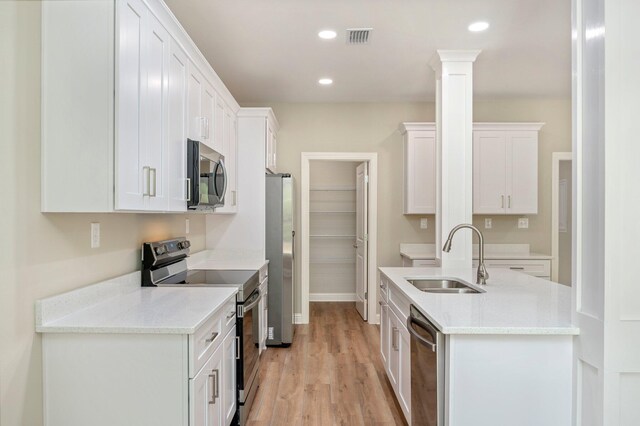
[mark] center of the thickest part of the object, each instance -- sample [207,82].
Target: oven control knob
[186,244]
[160,250]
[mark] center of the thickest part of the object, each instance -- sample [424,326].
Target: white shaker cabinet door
[132,172]
[205,390]
[208,115]
[195,84]
[489,172]
[177,172]
[228,390]
[522,173]
[155,107]
[420,172]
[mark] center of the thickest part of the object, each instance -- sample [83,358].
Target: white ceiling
[269,51]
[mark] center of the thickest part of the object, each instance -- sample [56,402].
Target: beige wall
[373,127]
[43,255]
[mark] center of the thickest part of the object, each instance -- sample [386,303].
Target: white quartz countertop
[163,310]
[513,303]
[492,252]
[227,260]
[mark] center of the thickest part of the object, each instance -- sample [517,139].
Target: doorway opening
[338,231]
[561,218]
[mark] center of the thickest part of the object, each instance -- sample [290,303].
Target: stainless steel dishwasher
[427,371]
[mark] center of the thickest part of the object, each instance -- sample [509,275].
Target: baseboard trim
[297,319]
[332,297]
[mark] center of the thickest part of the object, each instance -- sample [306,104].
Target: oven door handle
[428,328]
[252,302]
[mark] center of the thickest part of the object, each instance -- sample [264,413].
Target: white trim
[261,113]
[332,297]
[372,159]
[534,127]
[556,158]
[297,319]
[416,126]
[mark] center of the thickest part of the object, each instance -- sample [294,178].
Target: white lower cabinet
[213,390]
[395,349]
[152,379]
[206,402]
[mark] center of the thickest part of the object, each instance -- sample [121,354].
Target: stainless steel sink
[442,286]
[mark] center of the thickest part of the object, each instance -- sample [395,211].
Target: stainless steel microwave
[206,177]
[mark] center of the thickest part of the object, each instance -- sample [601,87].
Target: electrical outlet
[270,333]
[95,235]
[186,226]
[523,223]
[487,223]
[424,223]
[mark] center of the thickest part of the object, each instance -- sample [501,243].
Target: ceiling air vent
[358,35]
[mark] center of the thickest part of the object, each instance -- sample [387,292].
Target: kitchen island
[506,352]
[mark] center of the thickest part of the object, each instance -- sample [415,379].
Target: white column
[454,127]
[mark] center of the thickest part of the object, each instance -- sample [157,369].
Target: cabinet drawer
[229,312]
[206,339]
[383,288]
[424,262]
[537,268]
[399,304]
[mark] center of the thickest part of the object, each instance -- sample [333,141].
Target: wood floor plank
[331,375]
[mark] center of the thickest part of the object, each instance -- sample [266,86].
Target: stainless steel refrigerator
[280,251]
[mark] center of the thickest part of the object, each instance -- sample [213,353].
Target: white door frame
[372,159]
[556,158]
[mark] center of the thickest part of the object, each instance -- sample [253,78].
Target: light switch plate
[523,223]
[488,223]
[424,223]
[186,226]
[95,235]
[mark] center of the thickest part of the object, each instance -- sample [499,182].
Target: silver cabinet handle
[153,171]
[203,127]
[188,189]
[394,343]
[355,246]
[502,201]
[509,202]
[216,386]
[517,268]
[237,347]
[231,314]
[146,180]
[212,337]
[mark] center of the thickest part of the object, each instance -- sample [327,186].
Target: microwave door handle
[427,328]
[224,174]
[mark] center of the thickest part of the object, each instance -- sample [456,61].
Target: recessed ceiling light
[325,81]
[327,34]
[478,26]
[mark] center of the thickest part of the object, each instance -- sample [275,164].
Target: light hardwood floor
[331,375]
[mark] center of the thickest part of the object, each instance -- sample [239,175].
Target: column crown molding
[444,55]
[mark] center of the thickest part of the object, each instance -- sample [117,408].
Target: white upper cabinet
[229,139]
[271,146]
[142,113]
[505,168]
[178,80]
[119,99]
[419,164]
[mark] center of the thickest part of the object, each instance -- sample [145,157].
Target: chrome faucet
[482,275]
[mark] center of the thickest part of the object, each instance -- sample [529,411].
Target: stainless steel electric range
[164,264]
